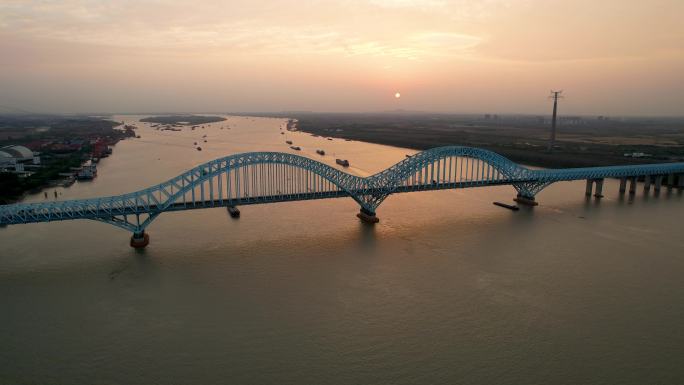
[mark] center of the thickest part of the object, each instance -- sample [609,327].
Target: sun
[397,95]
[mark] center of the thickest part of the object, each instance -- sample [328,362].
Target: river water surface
[447,288]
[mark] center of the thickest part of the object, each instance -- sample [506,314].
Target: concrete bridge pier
[670,181]
[140,239]
[658,183]
[590,186]
[525,200]
[647,184]
[368,216]
[632,185]
[623,185]
[599,188]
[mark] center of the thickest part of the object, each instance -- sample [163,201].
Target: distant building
[18,153]
[637,155]
[15,157]
[6,159]
[571,120]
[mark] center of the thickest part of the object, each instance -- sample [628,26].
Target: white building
[18,153]
[15,157]
[6,159]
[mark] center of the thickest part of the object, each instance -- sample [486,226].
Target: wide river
[447,288]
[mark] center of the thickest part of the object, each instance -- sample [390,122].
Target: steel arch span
[269,177]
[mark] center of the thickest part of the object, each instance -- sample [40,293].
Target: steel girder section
[346,182]
[141,201]
[530,189]
[124,223]
[610,171]
[411,165]
[509,170]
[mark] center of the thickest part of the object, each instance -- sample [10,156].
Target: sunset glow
[612,57]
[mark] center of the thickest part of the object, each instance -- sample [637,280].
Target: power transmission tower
[555,95]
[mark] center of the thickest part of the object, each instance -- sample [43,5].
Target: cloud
[422,4]
[446,41]
[254,29]
[335,47]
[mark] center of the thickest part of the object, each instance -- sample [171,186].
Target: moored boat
[234,211]
[88,172]
[507,206]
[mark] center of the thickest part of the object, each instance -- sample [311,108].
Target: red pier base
[139,241]
[368,217]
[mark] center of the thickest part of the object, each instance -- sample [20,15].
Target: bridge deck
[269,177]
[43,214]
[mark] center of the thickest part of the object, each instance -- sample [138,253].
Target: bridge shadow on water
[367,235]
[138,260]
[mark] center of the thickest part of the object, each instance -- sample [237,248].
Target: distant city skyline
[620,58]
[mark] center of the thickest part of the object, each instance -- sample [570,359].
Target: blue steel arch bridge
[270,177]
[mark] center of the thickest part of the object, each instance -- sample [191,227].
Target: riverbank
[62,145]
[585,143]
[183,120]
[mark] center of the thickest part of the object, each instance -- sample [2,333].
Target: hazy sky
[610,56]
